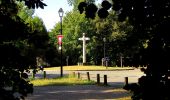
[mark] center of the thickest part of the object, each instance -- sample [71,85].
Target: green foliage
[18,50]
[14,58]
[116,34]
[38,37]
[74,24]
[91,9]
[76,2]
[33,3]
[150,20]
[52,54]
[24,12]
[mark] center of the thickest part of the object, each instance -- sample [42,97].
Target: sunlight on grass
[124,98]
[69,80]
[72,68]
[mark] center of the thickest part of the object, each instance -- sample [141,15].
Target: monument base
[84,64]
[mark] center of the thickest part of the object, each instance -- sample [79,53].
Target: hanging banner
[60,39]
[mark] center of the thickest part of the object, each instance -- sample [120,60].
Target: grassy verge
[125,98]
[67,80]
[72,68]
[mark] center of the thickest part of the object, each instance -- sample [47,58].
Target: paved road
[87,92]
[114,77]
[78,92]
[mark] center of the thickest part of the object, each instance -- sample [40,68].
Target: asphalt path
[114,77]
[87,92]
[78,92]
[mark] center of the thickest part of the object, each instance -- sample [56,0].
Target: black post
[126,81]
[78,75]
[88,76]
[33,73]
[44,74]
[61,50]
[105,80]
[98,78]
[61,12]
[104,39]
[104,50]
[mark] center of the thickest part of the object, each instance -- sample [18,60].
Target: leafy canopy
[18,51]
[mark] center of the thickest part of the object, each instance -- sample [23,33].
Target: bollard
[33,75]
[88,76]
[98,78]
[126,80]
[73,74]
[106,63]
[78,75]
[105,80]
[44,74]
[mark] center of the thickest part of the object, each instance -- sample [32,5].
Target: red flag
[60,39]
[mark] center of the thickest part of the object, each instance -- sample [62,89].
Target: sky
[50,12]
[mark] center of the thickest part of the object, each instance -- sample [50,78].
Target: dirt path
[78,92]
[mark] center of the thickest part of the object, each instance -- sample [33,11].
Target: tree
[17,53]
[32,3]
[38,33]
[24,12]
[116,34]
[13,60]
[150,20]
[74,25]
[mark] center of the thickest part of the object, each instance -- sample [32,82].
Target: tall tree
[150,19]
[74,25]
[17,53]
[38,33]
[14,54]
[115,33]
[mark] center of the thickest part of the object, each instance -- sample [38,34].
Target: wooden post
[105,80]
[106,63]
[44,74]
[126,80]
[73,74]
[98,78]
[88,76]
[78,75]
[33,73]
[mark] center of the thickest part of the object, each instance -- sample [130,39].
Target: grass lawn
[72,68]
[124,98]
[67,80]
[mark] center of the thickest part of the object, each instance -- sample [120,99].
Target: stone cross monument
[84,39]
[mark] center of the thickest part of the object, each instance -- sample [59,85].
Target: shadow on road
[78,92]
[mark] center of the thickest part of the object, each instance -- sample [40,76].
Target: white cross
[84,39]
